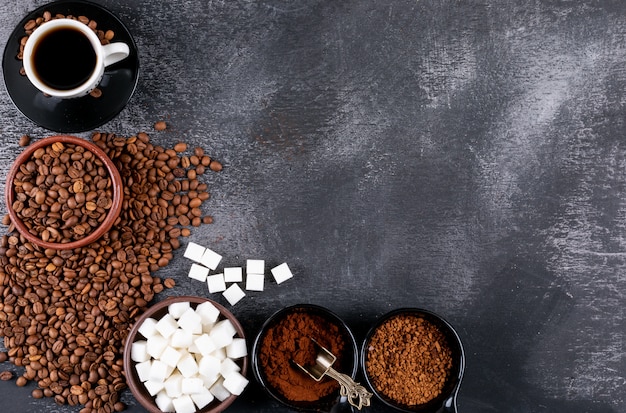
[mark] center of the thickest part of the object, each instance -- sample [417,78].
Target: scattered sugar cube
[194,252]
[208,313]
[216,283]
[209,366]
[233,274]
[187,365]
[235,383]
[237,348]
[173,385]
[192,385]
[202,398]
[219,391]
[198,272]
[228,366]
[255,282]
[184,404]
[153,387]
[181,338]
[158,371]
[177,309]
[166,325]
[164,402]
[190,321]
[170,356]
[155,345]
[204,344]
[210,259]
[143,370]
[281,273]
[255,267]
[138,352]
[233,294]
[148,328]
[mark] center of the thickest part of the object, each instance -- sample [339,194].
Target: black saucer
[79,114]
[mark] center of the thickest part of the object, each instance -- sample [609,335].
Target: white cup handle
[114,52]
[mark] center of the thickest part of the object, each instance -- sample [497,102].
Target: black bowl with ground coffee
[413,360]
[285,339]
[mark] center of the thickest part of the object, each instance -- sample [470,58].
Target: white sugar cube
[190,321]
[228,366]
[202,398]
[155,345]
[170,356]
[216,283]
[173,385]
[166,325]
[220,353]
[210,259]
[222,333]
[153,387]
[192,385]
[184,404]
[255,267]
[194,252]
[233,294]
[148,328]
[235,383]
[164,402]
[237,348]
[138,352]
[198,272]
[255,282]
[204,344]
[187,365]
[208,313]
[219,391]
[209,366]
[281,273]
[158,371]
[192,347]
[177,309]
[181,338]
[143,370]
[233,274]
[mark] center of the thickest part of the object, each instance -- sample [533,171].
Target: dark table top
[467,157]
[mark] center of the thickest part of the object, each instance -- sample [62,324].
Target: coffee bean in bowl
[186,354]
[63,192]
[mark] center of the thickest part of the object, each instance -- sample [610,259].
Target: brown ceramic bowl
[112,214]
[157,311]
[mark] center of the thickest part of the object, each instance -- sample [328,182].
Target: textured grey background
[467,157]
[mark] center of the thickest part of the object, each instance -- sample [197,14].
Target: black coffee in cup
[64,58]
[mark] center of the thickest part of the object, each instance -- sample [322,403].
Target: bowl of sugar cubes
[186,354]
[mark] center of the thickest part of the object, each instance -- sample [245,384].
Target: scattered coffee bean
[24,140]
[3,356]
[180,147]
[64,314]
[160,125]
[215,166]
[21,381]
[96,93]
[6,375]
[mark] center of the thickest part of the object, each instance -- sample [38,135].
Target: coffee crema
[64,59]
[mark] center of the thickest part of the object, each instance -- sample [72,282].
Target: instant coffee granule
[289,341]
[64,314]
[408,360]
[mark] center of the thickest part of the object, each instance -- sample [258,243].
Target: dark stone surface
[466,157]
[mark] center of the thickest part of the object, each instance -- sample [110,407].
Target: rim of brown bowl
[158,310]
[116,181]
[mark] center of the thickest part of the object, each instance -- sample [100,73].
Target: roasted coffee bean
[160,125]
[6,375]
[24,140]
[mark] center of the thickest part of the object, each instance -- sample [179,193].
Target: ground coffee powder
[289,341]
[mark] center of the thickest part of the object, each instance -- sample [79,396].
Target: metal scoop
[357,395]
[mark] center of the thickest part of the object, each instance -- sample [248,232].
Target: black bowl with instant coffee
[413,360]
[285,339]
